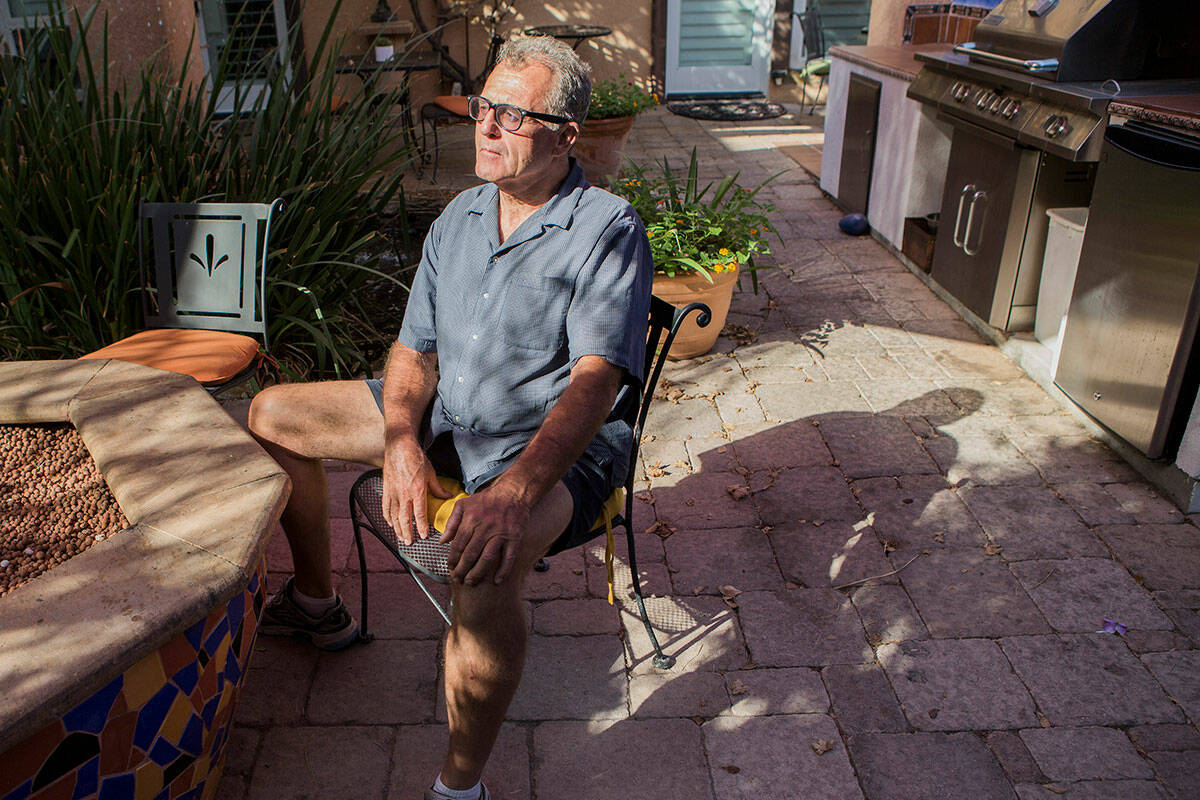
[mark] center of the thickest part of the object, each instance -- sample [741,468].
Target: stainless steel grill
[1027,101]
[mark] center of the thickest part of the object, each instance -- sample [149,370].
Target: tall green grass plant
[78,152]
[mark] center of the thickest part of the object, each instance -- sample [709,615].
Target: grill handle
[962,198]
[966,246]
[1034,65]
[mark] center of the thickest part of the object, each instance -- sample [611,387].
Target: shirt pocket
[534,315]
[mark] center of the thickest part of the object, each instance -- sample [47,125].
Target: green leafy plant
[618,97]
[78,152]
[710,229]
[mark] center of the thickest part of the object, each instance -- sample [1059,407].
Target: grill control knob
[983,99]
[996,104]
[1056,124]
[960,91]
[1010,108]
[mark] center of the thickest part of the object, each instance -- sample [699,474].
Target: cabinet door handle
[966,246]
[962,198]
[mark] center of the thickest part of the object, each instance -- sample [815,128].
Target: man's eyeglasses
[508,117]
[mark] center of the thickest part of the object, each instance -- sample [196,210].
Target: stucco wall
[161,31]
[887,22]
[142,32]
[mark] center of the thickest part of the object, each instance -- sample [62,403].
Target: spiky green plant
[78,152]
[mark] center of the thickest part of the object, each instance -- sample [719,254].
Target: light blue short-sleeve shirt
[508,321]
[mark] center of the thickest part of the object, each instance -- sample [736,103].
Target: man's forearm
[567,430]
[409,383]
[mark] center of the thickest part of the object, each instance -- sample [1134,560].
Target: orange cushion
[211,357]
[455,104]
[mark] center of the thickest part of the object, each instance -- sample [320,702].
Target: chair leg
[363,634]
[661,659]
[436,153]
[429,595]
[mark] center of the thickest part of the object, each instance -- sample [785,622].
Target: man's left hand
[485,532]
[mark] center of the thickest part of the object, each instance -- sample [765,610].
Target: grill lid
[1075,40]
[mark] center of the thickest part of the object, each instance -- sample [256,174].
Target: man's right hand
[407,478]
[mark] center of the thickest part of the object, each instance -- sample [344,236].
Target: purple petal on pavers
[1112,626]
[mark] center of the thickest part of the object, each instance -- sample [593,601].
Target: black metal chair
[427,557]
[816,63]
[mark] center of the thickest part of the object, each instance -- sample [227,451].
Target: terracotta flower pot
[691,287]
[599,147]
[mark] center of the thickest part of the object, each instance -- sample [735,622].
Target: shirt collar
[557,211]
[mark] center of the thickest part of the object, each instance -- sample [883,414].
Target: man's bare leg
[485,648]
[298,425]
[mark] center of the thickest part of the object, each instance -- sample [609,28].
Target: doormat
[727,110]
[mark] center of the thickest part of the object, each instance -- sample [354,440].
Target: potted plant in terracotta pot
[614,106]
[702,240]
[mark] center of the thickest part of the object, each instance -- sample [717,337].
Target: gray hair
[571,91]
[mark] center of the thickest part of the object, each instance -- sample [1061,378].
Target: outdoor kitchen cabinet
[1128,351]
[899,149]
[858,144]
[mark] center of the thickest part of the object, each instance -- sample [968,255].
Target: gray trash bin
[1064,240]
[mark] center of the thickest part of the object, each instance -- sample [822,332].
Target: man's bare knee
[270,415]
[325,419]
[488,606]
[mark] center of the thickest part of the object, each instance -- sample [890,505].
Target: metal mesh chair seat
[427,555]
[429,558]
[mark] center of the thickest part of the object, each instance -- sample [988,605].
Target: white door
[245,32]
[718,46]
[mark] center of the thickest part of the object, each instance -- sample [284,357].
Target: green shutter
[716,33]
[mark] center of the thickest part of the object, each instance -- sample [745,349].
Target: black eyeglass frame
[522,111]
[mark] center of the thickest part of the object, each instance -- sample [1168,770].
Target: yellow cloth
[438,510]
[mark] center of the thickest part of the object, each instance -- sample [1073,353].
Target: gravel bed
[53,502]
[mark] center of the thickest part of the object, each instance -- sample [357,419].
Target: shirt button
[460,381]
[485,295]
[457,418]
[474,335]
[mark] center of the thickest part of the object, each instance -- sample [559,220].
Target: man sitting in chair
[527,317]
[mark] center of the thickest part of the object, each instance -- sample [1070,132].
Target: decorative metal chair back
[813,33]
[208,265]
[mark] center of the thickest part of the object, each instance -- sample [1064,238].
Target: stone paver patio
[877,435]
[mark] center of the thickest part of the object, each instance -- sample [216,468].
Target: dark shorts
[587,483]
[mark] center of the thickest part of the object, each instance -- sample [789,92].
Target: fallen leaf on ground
[729,592]
[736,687]
[822,746]
[739,333]
[738,492]
[731,769]
[660,529]
[655,470]
[992,549]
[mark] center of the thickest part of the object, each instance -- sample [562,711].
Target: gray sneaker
[333,630]
[433,794]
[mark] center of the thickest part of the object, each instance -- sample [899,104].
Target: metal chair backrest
[813,33]
[209,265]
[665,321]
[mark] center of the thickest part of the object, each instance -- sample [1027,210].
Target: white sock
[313,606]
[474,793]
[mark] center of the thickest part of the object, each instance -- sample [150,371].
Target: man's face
[514,160]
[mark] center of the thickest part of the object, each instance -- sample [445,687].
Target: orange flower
[723,251]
